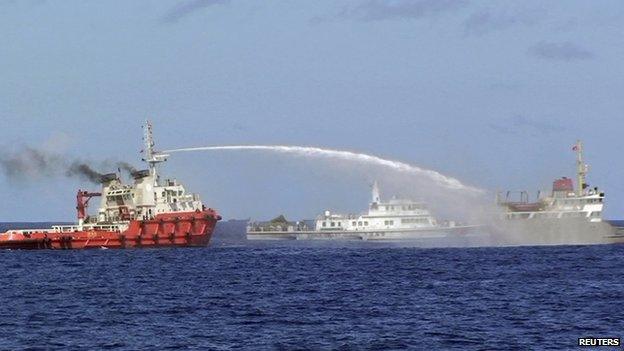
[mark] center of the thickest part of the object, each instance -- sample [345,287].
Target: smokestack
[107,178]
[140,174]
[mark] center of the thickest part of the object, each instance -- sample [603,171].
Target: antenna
[581,168]
[152,157]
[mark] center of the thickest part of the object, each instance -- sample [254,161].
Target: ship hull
[185,229]
[377,235]
[501,233]
[571,231]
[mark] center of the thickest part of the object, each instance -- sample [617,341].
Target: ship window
[354,223]
[333,224]
[339,224]
[324,224]
[365,223]
[360,223]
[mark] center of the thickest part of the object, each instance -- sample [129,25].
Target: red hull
[184,229]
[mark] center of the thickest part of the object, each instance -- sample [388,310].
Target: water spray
[402,167]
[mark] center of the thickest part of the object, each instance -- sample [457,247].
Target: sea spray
[402,167]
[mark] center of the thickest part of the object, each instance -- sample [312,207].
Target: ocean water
[297,297]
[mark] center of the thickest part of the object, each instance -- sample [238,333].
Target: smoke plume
[126,167]
[83,170]
[30,163]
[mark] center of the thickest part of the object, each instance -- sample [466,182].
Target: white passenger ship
[395,219]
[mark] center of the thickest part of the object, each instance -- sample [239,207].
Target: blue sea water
[294,297]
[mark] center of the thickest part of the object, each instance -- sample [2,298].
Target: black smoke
[29,163]
[83,170]
[126,167]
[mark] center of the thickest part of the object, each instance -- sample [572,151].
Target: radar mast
[581,168]
[375,193]
[152,157]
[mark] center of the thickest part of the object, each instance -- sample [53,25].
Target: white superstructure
[147,197]
[394,219]
[564,202]
[394,214]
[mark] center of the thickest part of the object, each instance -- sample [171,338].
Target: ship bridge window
[324,224]
[333,224]
[365,223]
[360,223]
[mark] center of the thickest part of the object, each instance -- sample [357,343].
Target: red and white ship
[148,213]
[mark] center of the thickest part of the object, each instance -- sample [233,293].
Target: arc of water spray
[448,182]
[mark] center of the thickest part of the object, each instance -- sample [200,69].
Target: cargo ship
[566,215]
[392,220]
[150,212]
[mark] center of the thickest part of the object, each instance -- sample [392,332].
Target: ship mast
[152,157]
[581,168]
[375,193]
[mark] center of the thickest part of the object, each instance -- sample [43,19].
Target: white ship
[564,202]
[395,219]
[567,215]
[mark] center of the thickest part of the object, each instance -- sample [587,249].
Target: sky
[494,93]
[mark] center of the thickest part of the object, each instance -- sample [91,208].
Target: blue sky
[494,93]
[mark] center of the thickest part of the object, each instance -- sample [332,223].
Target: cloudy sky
[494,93]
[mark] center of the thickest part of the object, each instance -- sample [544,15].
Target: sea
[234,295]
